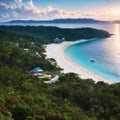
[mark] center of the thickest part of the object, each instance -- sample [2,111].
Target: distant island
[65,20]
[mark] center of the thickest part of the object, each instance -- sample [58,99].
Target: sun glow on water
[106,52]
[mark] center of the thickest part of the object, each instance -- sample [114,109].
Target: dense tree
[23,97]
[44,34]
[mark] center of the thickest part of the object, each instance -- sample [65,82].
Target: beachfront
[56,51]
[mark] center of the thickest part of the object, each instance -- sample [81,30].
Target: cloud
[27,10]
[18,1]
[19,9]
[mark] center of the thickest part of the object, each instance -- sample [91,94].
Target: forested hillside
[44,35]
[23,97]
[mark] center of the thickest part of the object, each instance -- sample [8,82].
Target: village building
[37,71]
[58,40]
[32,43]
[26,49]
[16,45]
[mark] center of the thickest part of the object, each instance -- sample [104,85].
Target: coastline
[56,51]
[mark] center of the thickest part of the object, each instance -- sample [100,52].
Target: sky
[54,9]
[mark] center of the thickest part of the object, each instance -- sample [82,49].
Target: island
[64,20]
[25,96]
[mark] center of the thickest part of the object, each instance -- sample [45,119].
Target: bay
[105,52]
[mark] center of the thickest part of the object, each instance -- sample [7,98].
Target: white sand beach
[56,51]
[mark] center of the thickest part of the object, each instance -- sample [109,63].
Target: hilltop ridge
[64,20]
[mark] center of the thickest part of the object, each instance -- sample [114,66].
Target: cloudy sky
[52,9]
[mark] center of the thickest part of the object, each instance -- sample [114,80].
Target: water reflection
[117,37]
[114,50]
[106,52]
[117,26]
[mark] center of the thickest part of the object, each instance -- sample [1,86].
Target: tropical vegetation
[23,97]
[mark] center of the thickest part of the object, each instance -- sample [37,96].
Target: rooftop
[37,69]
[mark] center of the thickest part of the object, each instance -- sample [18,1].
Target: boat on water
[92,60]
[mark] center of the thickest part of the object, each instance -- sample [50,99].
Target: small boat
[92,60]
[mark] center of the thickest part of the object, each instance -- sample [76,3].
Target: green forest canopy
[45,35]
[23,97]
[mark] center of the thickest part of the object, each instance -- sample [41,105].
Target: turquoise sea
[105,52]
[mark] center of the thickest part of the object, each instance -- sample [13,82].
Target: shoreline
[56,51]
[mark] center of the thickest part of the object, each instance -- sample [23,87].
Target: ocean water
[105,52]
